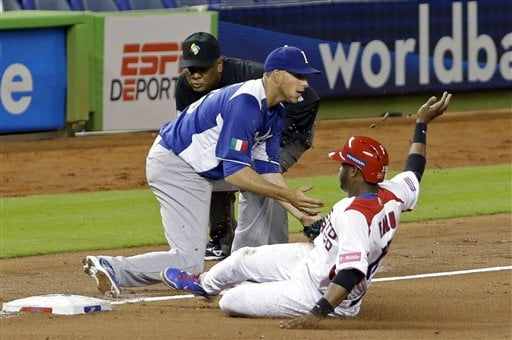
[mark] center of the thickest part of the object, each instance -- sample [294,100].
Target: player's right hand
[304,203]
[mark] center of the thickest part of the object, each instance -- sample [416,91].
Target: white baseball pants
[276,283]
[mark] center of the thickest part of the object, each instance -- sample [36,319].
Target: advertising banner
[140,67]
[379,48]
[32,80]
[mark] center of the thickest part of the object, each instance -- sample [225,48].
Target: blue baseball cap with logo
[289,58]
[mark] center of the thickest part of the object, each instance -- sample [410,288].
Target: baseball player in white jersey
[331,276]
[231,133]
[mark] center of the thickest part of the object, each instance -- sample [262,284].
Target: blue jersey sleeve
[266,167]
[242,118]
[266,152]
[230,168]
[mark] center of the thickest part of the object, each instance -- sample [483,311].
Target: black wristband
[348,278]
[420,133]
[415,163]
[322,308]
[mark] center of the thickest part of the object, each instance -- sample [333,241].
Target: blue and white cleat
[104,274]
[179,279]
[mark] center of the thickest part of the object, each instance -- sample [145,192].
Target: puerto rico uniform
[223,132]
[288,279]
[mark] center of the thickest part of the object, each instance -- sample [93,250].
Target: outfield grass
[37,225]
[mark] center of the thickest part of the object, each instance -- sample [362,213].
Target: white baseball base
[61,304]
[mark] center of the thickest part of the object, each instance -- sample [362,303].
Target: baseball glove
[313,230]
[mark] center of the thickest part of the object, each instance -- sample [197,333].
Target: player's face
[293,86]
[343,176]
[204,79]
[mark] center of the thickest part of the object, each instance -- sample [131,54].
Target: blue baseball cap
[289,58]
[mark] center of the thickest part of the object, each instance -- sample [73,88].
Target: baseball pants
[222,219]
[279,283]
[268,281]
[184,199]
[262,220]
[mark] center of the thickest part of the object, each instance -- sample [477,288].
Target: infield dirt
[472,306]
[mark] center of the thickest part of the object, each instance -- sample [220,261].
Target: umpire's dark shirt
[300,117]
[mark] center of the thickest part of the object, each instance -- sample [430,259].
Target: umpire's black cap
[201,49]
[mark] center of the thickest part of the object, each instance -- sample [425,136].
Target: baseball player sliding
[231,133]
[329,277]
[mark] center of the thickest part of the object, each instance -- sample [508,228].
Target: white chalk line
[459,272]
[151,299]
[382,279]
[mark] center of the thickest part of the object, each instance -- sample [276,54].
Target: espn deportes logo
[145,71]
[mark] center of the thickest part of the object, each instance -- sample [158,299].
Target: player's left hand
[433,108]
[302,322]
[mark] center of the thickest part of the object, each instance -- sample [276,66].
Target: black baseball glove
[313,230]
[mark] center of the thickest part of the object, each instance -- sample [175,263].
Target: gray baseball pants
[184,199]
[262,220]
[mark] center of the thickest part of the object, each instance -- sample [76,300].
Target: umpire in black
[205,70]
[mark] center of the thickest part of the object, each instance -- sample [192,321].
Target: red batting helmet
[367,155]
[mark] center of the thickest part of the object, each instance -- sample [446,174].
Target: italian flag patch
[238,145]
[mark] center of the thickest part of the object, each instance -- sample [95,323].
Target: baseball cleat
[104,274]
[214,251]
[179,279]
